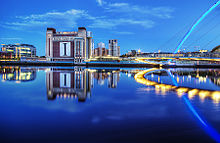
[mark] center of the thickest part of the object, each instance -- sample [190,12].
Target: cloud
[50,19]
[115,15]
[130,14]
[67,19]
[10,38]
[112,23]
[100,2]
[123,32]
[129,9]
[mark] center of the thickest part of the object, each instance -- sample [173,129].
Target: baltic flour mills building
[68,46]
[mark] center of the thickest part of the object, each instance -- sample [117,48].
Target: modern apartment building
[101,51]
[20,50]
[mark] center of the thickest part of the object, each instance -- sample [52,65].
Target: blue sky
[149,25]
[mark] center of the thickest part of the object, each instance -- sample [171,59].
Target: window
[78,48]
[65,49]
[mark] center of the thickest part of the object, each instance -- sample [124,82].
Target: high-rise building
[114,49]
[118,50]
[20,50]
[93,48]
[68,46]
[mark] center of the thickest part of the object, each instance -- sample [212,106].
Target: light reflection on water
[80,100]
[166,80]
[183,92]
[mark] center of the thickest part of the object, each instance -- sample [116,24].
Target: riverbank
[101,64]
[98,64]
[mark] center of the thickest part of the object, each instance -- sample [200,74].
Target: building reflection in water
[113,79]
[17,74]
[69,83]
[202,75]
[111,75]
[77,82]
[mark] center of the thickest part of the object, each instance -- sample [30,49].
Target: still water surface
[76,104]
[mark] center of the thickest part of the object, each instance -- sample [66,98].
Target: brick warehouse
[68,46]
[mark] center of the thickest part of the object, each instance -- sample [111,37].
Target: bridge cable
[204,34]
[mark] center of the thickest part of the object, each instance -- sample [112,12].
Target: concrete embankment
[104,64]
